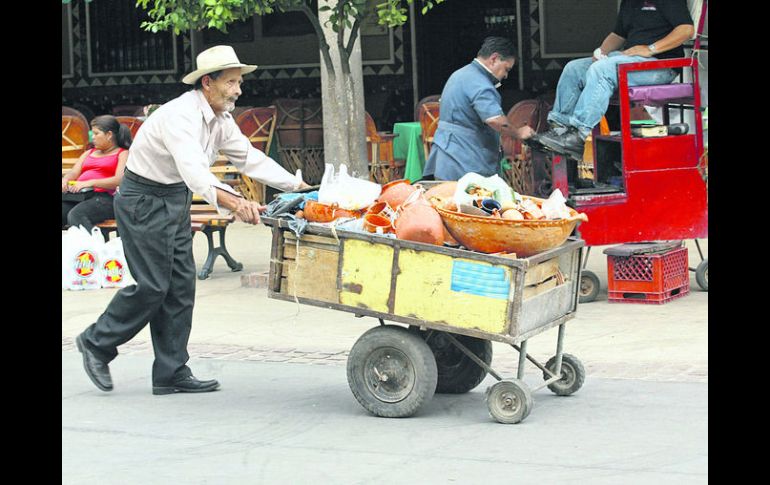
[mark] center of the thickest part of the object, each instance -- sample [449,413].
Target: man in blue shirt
[471,118]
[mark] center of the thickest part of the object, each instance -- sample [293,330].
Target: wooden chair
[66,110]
[74,140]
[426,99]
[429,113]
[239,110]
[132,122]
[382,166]
[532,112]
[299,130]
[258,125]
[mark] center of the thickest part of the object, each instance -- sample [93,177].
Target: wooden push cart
[453,303]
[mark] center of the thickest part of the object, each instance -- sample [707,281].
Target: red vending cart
[641,187]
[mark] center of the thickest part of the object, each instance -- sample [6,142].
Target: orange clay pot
[445,190]
[396,192]
[420,222]
[376,223]
[318,212]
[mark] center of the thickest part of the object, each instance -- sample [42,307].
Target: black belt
[145,181]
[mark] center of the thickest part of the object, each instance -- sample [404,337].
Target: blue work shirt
[463,142]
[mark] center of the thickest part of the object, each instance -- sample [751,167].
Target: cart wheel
[509,401]
[589,287]
[391,371]
[573,375]
[457,373]
[702,274]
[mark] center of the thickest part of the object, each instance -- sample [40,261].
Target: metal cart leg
[473,356]
[702,271]
[559,349]
[700,253]
[589,282]
[555,376]
[585,258]
[522,360]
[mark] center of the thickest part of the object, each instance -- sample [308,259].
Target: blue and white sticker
[480,279]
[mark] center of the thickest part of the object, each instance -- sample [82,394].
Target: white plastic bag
[501,192]
[554,208]
[81,258]
[114,273]
[347,192]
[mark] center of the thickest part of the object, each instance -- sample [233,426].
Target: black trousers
[88,212]
[154,224]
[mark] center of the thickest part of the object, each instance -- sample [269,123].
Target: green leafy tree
[337,25]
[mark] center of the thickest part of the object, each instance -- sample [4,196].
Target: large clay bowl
[494,235]
[318,212]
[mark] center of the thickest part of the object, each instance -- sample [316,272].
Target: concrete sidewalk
[666,342]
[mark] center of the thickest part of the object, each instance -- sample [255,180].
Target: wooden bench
[225,172]
[205,219]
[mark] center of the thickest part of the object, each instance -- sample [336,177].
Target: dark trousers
[154,224]
[88,212]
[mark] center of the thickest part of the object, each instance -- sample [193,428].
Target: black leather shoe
[97,371]
[188,384]
[569,143]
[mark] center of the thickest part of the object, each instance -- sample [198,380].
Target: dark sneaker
[569,143]
[188,384]
[97,371]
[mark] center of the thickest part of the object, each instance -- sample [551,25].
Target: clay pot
[318,212]
[396,192]
[445,190]
[513,215]
[420,222]
[381,208]
[376,223]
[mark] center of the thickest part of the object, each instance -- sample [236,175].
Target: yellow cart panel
[427,289]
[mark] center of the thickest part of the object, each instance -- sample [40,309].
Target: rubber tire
[521,392]
[575,375]
[457,373]
[702,274]
[419,356]
[593,280]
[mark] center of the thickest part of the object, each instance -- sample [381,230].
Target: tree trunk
[342,96]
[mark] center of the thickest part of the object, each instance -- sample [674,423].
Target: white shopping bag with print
[81,262]
[114,273]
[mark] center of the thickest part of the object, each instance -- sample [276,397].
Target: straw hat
[216,58]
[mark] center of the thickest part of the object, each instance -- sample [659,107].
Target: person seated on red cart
[649,30]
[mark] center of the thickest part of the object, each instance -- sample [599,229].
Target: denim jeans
[585,88]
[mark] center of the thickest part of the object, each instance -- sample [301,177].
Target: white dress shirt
[182,139]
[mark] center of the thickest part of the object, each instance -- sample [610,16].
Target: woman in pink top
[96,173]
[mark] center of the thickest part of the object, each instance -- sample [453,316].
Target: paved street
[285,413]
